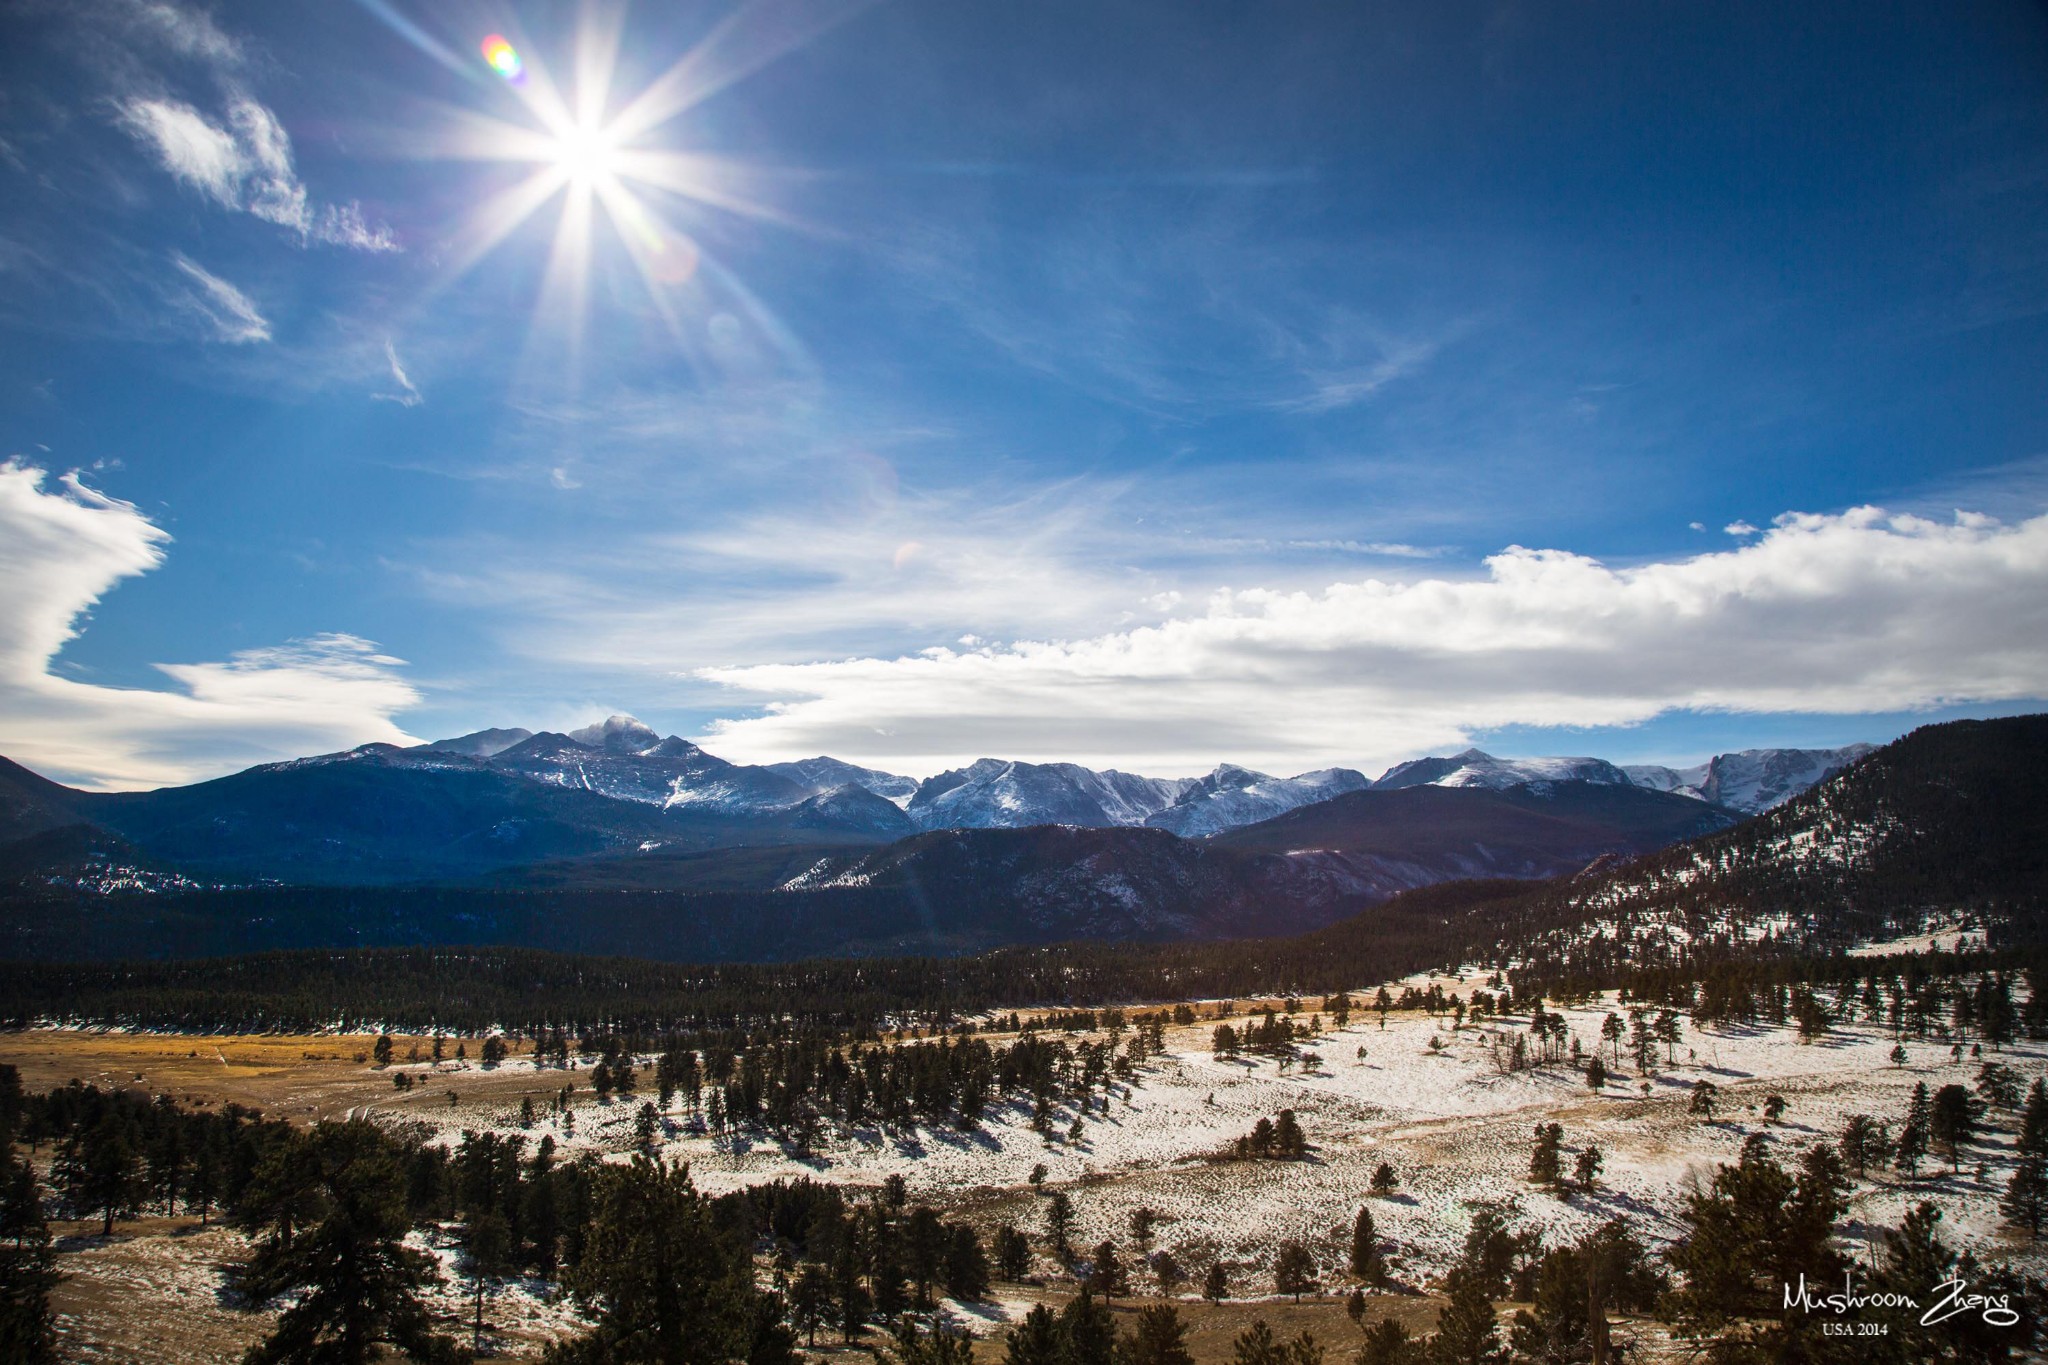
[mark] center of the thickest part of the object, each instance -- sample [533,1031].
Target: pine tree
[1367,1262]
[1862,1142]
[1586,1170]
[2026,1194]
[28,1268]
[967,1276]
[1059,1226]
[939,1345]
[1037,1340]
[1013,1253]
[1467,1332]
[1914,1132]
[1106,1274]
[1294,1270]
[487,1252]
[1216,1284]
[1256,1345]
[810,1301]
[1383,1181]
[1289,1143]
[1611,1031]
[2034,1120]
[1387,1343]
[1157,1338]
[1087,1332]
[662,1280]
[850,1297]
[925,1243]
[98,1171]
[355,1284]
[1546,1167]
[1954,1121]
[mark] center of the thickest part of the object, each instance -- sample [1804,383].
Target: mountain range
[474,805]
[1944,831]
[624,759]
[528,831]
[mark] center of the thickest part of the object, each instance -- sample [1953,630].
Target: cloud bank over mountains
[1861,611]
[1857,612]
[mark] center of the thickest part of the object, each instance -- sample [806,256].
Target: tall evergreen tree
[28,1270]
[1914,1133]
[1546,1166]
[665,1283]
[1294,1270]
[1036,1340]
[1059,1226]
[1387,1342]
[487,1255]
[1953,1122]
[967,1276]
[1106,1273]
[355,1284]
[1013,1253]
[99,1171]
[1467,1331]
[1157,1338]
[2034,1120]
[2026,1194]
[1367,1262]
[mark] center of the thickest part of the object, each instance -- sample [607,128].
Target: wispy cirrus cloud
[244,163]
[1861,611]
[61,551]
[228,313]
[408,394]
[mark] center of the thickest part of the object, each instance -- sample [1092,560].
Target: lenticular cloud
[61,551]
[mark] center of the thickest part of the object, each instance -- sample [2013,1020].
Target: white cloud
[408,395]
[192,149]
[229,312]
[245,163]
[61,551]
[189,33]
[1739,529]
[1857,612]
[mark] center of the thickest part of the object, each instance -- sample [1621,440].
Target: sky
[1146,386]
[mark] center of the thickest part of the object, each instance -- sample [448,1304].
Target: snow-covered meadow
[1431,1100]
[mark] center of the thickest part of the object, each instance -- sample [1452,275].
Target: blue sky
[1148,385]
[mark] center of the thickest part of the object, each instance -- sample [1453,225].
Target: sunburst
[609,162]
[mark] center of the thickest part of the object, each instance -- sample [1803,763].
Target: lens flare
[504,60]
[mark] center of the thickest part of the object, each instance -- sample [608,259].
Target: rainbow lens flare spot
[503,59]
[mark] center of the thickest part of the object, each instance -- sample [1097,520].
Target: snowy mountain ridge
[622,758]
[1752,780]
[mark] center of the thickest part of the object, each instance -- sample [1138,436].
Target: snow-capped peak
[1477,768]
[617,734]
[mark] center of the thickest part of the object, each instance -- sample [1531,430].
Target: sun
[586,155]
[609,165]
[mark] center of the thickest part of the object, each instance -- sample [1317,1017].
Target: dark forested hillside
[1519,832]
[1952,819]
[477,987]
